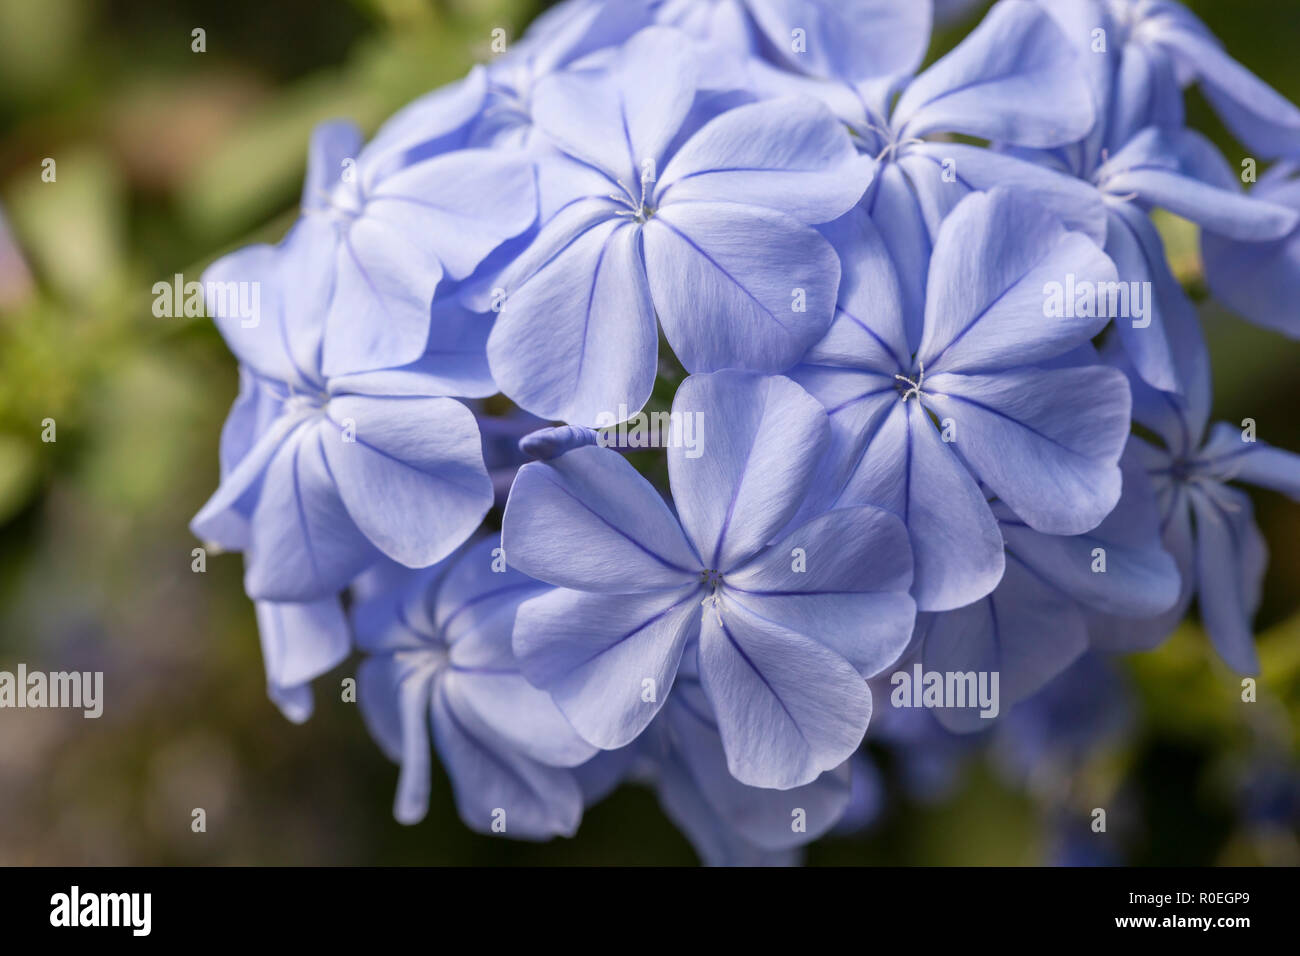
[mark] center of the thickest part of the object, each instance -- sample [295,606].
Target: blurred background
[165,159]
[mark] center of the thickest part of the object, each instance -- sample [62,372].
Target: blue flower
[1260,280]
[1138,155]
[1035,624]
[1165,47]
[385,232]
[788,621]
[1014,79]
[1207,525]
[1045,441]
[711,234]
[321,476]
[439,663]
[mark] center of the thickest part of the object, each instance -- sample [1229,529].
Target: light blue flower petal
[788,154]
[764,817]
[898,216]
[762,441]
[842,579]
[646,95]
[1233,459]
[493,783]
[1046,441]
[443,214]
[987,301]
[906,467]
[846,39]
[410,472]
[578,340]
[869,330]
[1026,631]
[1076,203]
[333,143]
[305,545]
[1181,171]
[1014,79]
[1258,115]
[1138,579]
[300,642]
[608,660]
[788,708]
[739,286]
[1259,280]
[1152,341]
[394,693]
[588,520]
[1230,560]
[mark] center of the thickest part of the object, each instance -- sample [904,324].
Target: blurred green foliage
[165,159]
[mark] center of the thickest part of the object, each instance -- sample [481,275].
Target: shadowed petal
[1230,561]
[493,783]
[1026,631]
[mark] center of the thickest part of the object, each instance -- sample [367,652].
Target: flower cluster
[909,321]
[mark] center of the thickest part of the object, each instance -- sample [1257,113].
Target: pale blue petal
[987,300]
[608,660]
[739,286]
[845,586]
[907,468]
[304,544]
[410,472]
[1046,441]
[763,440]
[300,642]
[577,341]
[788,154]
[1014,79]
[588,520]
[1026,631]
[493,783]
[1230,560]
[788,708]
